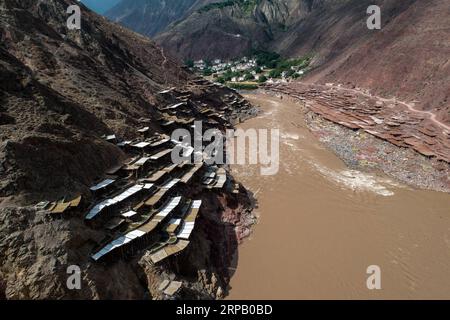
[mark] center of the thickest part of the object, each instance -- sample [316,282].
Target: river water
[322,225]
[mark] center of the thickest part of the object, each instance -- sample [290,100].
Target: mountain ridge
[136,14]
[334,32]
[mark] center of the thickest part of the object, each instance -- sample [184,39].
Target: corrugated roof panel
[196,204]
[141,145]
[106,203]
[169,207]
[102,184]
[141,161]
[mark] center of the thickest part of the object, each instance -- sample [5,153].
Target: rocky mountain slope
[408,58]
[150,17]
[61,91]
[210,28]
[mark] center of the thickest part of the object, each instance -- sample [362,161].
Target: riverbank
[362,151]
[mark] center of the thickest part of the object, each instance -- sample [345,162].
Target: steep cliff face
[60,91]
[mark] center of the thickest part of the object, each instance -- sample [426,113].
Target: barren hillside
[75,86]
[61,92]
[408,58]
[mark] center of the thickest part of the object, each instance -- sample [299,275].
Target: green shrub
[276,73]
[248,76]
[246,5]
[207,72]
[243,86]
[262,79]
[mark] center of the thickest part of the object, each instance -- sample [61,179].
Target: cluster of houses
[243,67]
[147,203]
[219,67]
[184,111]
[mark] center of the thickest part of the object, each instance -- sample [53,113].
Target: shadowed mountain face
[210,28]
[60,91]
[150,17]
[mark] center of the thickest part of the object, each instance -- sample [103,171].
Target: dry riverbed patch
[361,150]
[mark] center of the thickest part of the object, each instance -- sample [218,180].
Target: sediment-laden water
[321,225]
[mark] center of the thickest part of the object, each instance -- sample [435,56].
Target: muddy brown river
[321,225]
